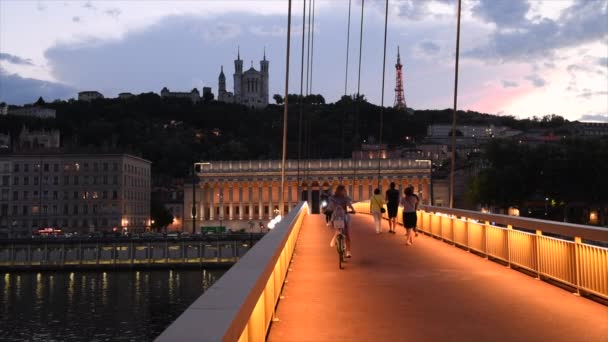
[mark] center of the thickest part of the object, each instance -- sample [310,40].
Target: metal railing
[241,305]
[64,254]
[571,254]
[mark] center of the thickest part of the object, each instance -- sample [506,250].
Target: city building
[5,141]
[3,108]
[193,95]
[250,87]
[207,94]
[471,131]
[240,194]
[35,111]
[589,129]
[124,96]
[74,192]
[38,139]
[89,96]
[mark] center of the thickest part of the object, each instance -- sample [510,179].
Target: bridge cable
[382,96]
[358,101]
[312,44]
[308,46]
[300,101]
[453,159]
[285,114]
[345,87]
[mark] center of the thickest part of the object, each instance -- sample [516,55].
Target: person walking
[392,203]
[325,195]
[415,209]
[376,208]
[409,203]
[341,199]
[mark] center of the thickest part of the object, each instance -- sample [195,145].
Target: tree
[161,216]
[40,102]
[278,99]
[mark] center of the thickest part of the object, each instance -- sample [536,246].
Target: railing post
[539,233]
[166,252]
[79,253]
[509,229]
[11,255]
[441,226]
[453,229]
[63,254]
[97,253]
[485,239]
[577,250]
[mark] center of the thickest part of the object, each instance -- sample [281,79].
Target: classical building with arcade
[236,193]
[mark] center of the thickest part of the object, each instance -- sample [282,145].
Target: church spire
[238,52]
[264,52]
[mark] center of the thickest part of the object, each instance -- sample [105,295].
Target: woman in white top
[376,204]
[409,202]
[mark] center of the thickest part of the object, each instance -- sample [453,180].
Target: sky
[522,58]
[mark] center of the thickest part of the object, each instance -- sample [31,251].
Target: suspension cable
[360,48]
[285,114]
[300,102]
[382,96]
[345,82]
[312,45]
[347,47]
[308,46]
[453,161]
[358,99]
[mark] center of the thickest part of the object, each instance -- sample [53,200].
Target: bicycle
[339,225]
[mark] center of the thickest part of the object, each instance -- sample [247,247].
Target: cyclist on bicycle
[340,199]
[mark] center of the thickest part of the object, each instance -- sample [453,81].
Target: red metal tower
[399,98]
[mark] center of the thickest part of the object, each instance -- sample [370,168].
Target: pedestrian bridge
[468,276]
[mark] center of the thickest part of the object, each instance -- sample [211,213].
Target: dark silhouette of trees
[278,99]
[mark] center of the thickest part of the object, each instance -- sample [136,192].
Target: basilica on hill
[250,87]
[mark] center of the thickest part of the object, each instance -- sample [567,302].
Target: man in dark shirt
[392,202]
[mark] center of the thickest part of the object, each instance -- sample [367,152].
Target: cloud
[509,84]
[429,48]
[89,5]
[594,118]
[588,94]
[76,19]
[536,80]
[603,61]
[179,52]
[275,31]
[17,90]
[113,12]
[41,6]
[414,9]
[581,23]
[221,32]
[502,13]
[15,59]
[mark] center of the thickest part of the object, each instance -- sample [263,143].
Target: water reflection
[96,306]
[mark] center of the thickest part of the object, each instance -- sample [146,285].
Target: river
[96,306]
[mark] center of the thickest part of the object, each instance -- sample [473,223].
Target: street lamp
[195,177]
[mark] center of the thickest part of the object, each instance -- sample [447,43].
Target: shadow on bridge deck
[430,291]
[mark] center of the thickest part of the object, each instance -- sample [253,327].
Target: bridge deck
[430,291]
